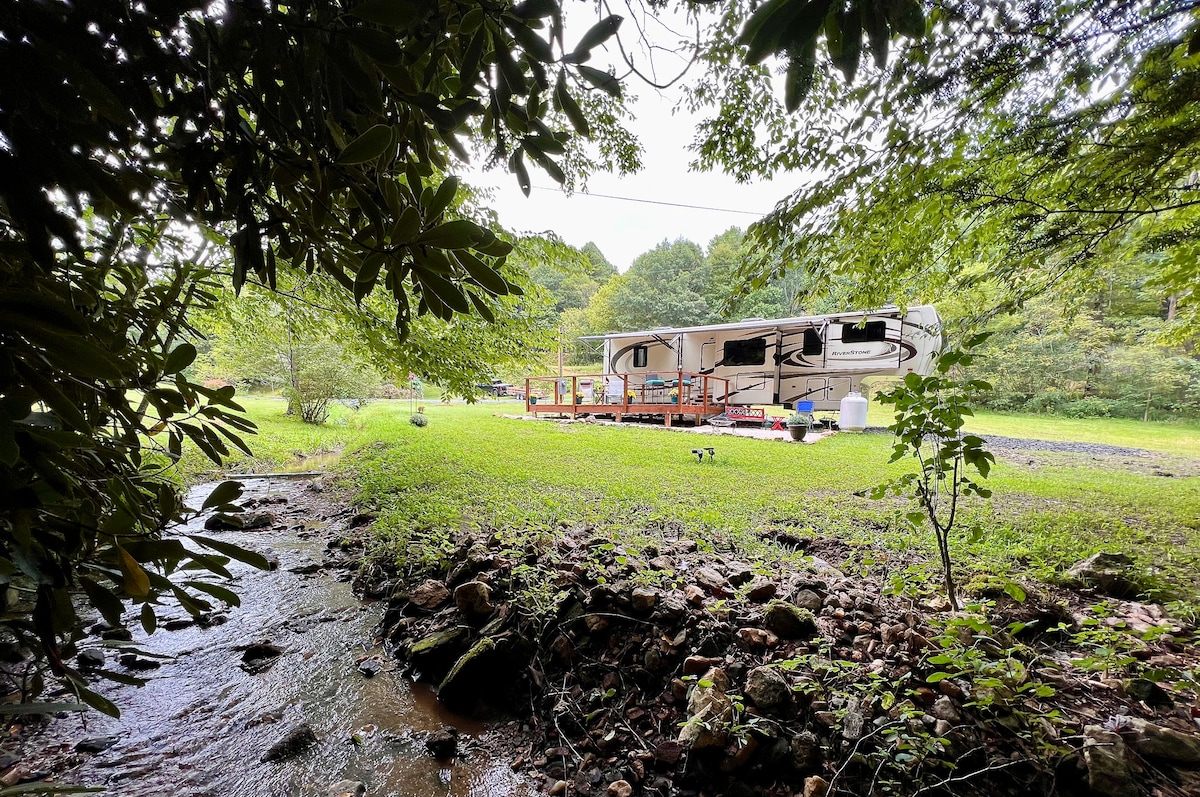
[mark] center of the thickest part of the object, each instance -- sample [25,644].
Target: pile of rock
[679,672]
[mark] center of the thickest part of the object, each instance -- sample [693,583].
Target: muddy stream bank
[202,724]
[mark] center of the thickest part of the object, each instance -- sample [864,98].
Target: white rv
[784,360]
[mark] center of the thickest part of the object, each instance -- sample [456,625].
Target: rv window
[745,352]
[873,330]
[639,356]
[812,342]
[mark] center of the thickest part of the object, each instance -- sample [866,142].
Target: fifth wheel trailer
[819,358]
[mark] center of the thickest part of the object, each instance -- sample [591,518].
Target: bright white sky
[625,229]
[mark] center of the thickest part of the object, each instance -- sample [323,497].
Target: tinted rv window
[873,330]
[639,356]
[812,342]
[745,352]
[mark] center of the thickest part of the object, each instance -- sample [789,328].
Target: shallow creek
[201,725]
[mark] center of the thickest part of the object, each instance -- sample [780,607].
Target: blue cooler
[804,406]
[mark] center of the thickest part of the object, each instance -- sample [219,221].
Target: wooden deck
[675,395]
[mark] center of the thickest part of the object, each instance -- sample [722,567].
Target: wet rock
[434,654]
[1108,573]
[807,599]
[1107,767]
[816,786]
[710,712]
[941,728]
[292,743]
[240,521]
[261,650]
[788,621]
[96,744]
[347,788]
[806,751]
[762,589]
[429,594]
[370,667]
[644,599]
[259,657]
[768,689]
[210,619]
[133,661]
[90,659]
[117,634]
[474,600]
[179,623]
[443,743]
[620,788]
[595,623]
[308,568]
[471,677]
[1154,741]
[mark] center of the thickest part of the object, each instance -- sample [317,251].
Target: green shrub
[419,420]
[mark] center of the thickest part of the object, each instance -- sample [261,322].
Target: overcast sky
[625,229]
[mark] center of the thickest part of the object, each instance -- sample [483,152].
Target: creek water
[201,724]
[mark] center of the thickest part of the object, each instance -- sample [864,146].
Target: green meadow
[470,470]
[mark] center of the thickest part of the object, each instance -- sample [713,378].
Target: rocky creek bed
[732,681]
[291,693]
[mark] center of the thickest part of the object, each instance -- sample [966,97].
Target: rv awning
[757,323]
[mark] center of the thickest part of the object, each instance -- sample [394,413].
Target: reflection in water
[201,725]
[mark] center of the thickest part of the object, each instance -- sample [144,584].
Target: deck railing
[661,393]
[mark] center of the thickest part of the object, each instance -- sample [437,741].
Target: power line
[657,202]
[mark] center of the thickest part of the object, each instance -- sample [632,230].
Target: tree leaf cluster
[1012,144]
[310,138]
[95,403]
[791,29]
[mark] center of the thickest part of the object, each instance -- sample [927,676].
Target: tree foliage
[1012,143]
[310,138]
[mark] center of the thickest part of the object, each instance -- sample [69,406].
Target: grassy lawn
[525,479]
[1182,439]
[470,469]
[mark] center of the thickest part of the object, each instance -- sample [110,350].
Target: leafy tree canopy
[1009,143]
[315,138]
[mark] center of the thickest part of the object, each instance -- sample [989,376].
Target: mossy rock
[433,655]
[790,622]
[472,676]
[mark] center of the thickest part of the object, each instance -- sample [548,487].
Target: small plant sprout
[930,413]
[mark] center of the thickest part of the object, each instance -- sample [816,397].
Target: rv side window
[873,330]
[812,342]
[639,356]
[745,352]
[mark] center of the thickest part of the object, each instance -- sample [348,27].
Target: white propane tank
[853,413]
